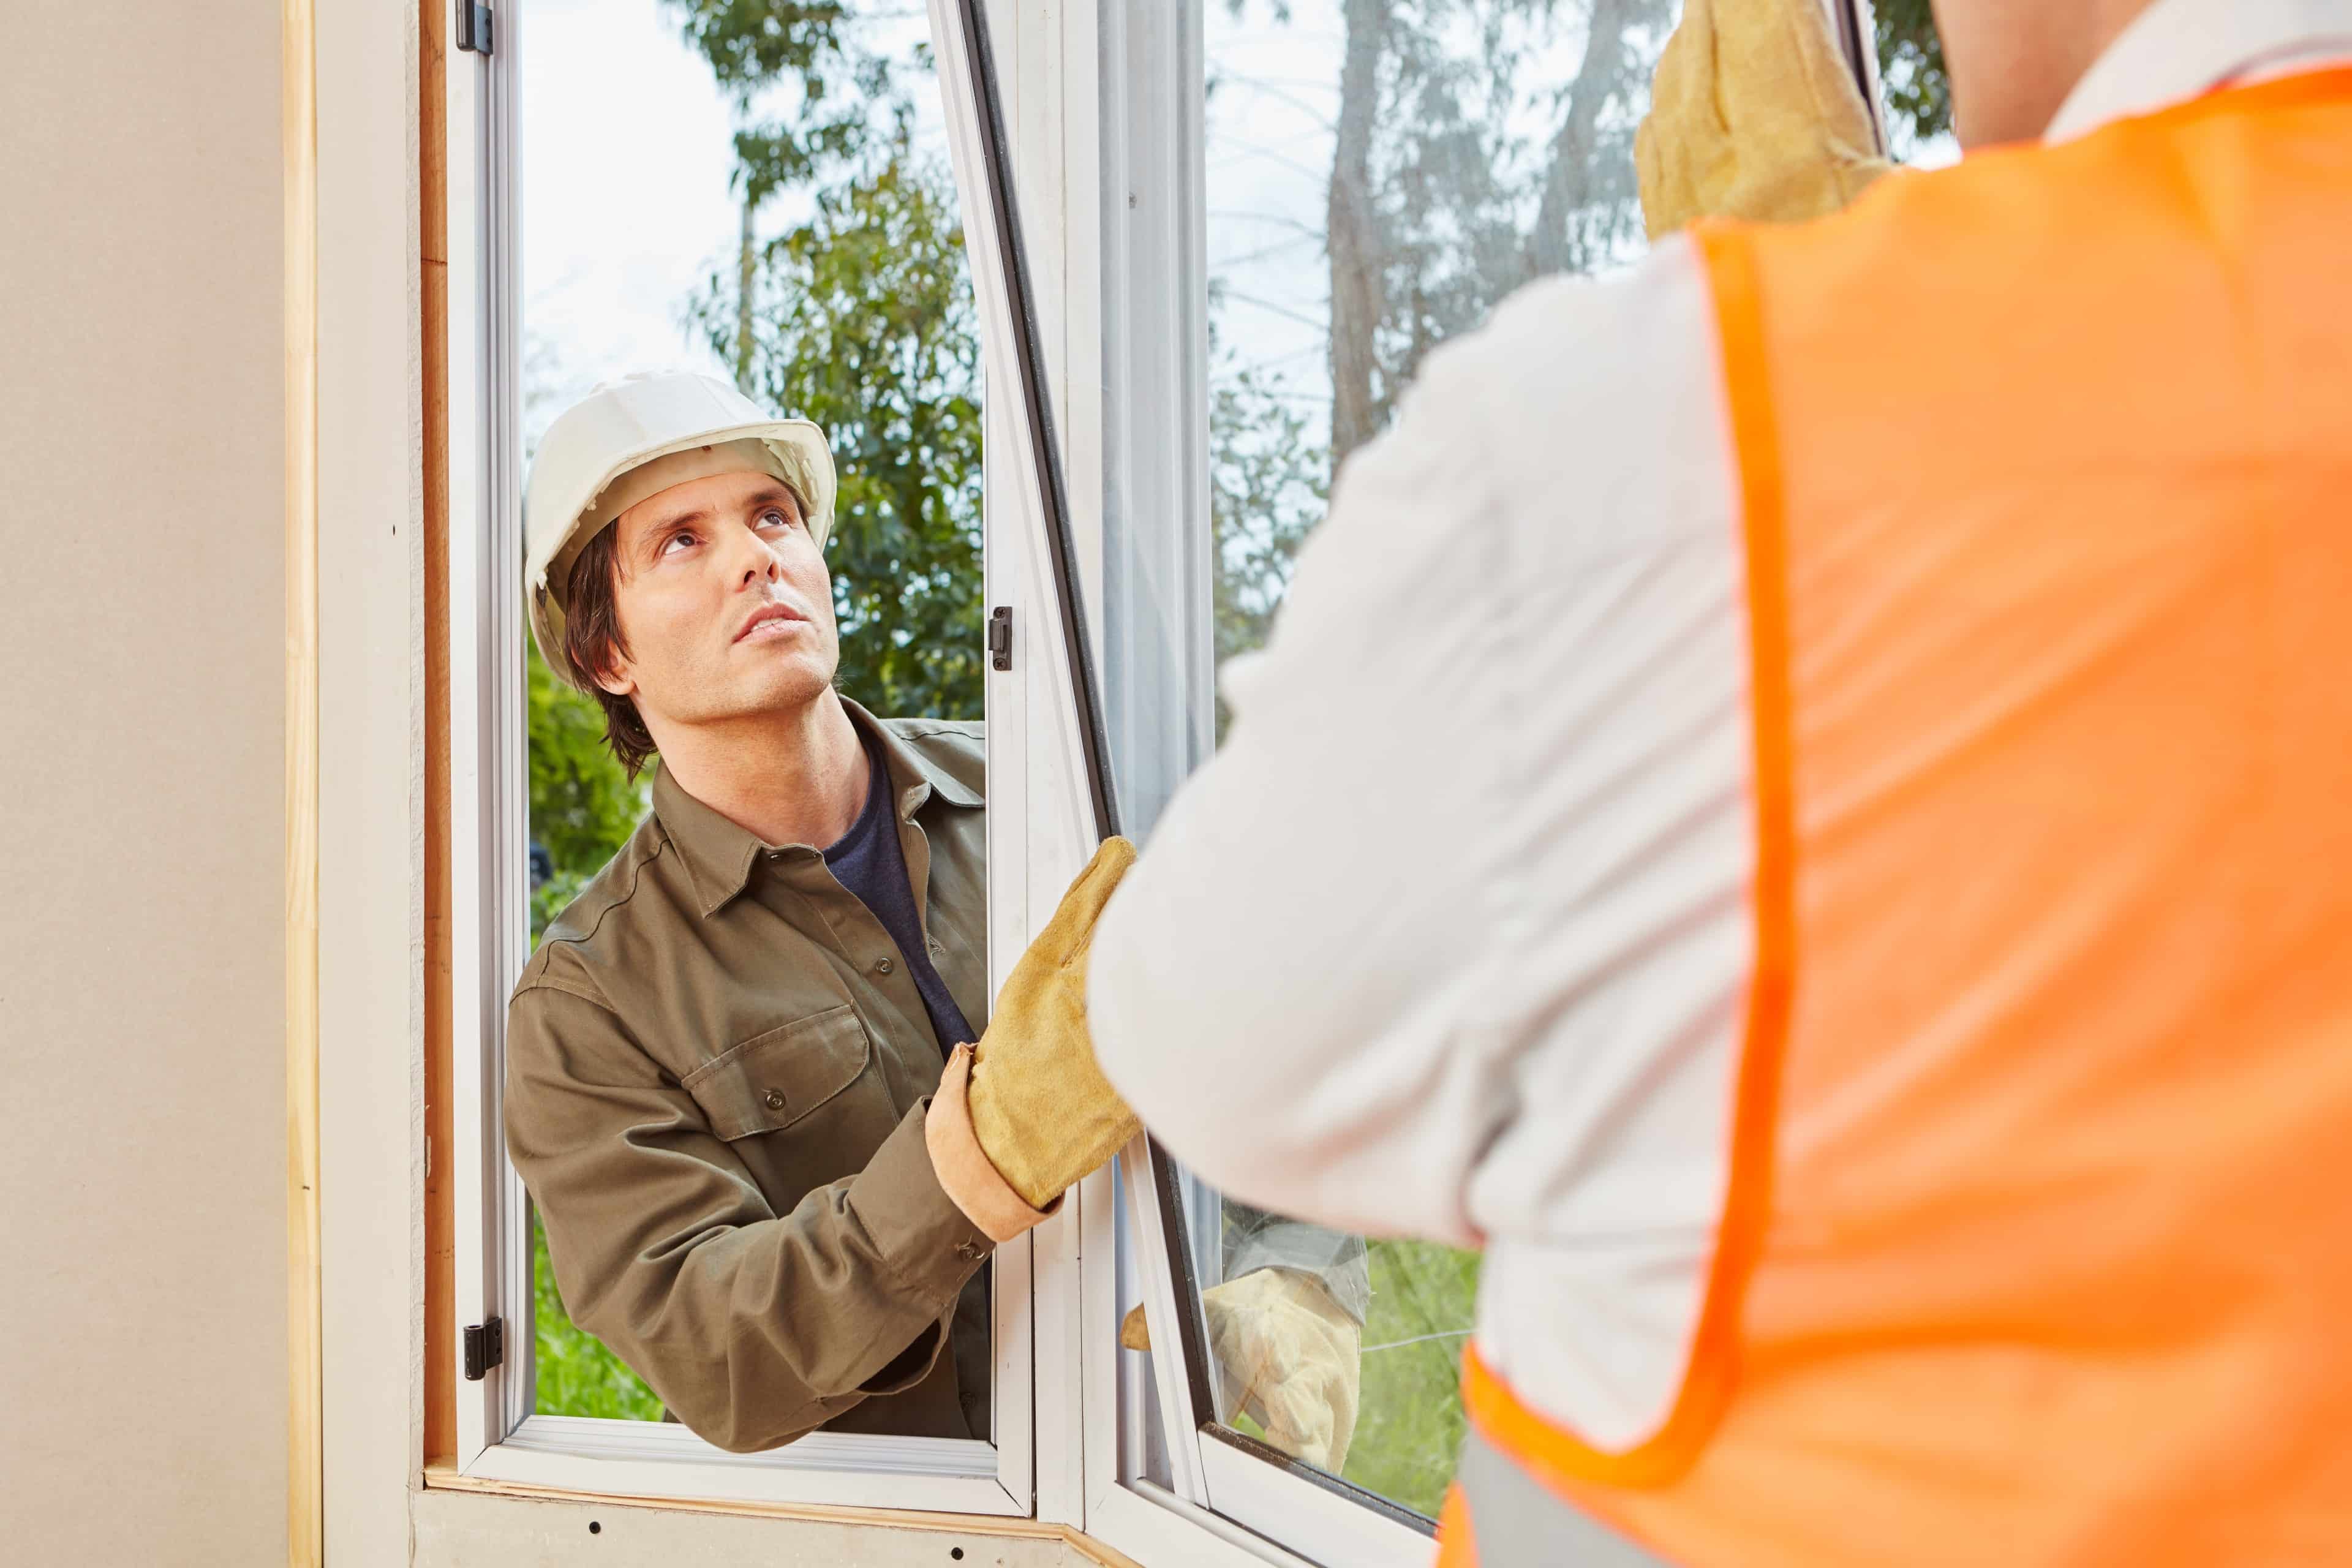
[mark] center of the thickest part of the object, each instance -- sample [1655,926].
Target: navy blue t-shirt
[868,862]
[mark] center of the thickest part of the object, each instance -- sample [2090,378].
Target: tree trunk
[743,302]
[1351,237]
[1568,181]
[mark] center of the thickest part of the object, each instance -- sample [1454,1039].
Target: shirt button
[775,1098]
[936,949]
[967,1249]
[884,967]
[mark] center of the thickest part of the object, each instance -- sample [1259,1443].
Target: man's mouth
[771,621]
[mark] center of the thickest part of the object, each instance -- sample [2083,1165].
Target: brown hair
[591,639]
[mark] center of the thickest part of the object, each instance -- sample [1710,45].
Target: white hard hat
[573,491]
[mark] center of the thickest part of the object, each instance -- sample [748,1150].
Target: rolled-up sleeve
[753,1327]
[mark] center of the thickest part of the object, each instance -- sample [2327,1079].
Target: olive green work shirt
[717,1071]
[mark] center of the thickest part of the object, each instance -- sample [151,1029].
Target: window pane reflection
[1378,176]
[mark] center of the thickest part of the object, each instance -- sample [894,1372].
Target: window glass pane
[760,190]
[1379,176]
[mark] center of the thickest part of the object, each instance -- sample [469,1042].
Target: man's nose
[753,557]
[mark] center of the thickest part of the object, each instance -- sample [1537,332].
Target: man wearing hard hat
[741,1084]
[1885,1005]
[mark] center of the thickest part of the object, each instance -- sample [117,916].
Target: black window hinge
[999,636]
[486,1347]
[473,26]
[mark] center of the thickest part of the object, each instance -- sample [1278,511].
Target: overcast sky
[626,209]
[626,148]
[625,206]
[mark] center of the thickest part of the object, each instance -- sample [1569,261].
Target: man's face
[724,603]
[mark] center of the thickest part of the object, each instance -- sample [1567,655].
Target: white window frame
[498,1439]
[1101,109]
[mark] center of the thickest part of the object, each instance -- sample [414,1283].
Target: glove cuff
[966,1174]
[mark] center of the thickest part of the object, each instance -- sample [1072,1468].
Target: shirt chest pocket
[804,1077]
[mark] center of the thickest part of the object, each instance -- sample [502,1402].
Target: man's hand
[1030,1098]
[1753,114]
[1288,1356]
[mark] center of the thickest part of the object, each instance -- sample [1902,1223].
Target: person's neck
[795,778]
[2014,62]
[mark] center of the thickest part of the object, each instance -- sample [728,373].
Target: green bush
[576,1374]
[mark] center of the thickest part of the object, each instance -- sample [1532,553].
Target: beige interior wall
[142,1359]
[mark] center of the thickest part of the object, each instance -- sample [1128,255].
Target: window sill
[666,1464]
[446,1476]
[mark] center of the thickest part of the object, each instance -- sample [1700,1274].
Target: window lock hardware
[486,1347]
[999,638]
[473,26]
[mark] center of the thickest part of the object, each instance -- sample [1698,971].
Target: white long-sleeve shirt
[1452,938]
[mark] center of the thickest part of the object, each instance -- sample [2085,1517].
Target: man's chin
[785,685]
[778,689]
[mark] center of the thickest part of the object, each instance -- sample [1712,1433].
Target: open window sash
[1227,1497]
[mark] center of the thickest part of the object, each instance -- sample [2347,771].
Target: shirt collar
[2181,49]
[718,853]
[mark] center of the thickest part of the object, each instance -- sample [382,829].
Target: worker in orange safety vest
[1870,700]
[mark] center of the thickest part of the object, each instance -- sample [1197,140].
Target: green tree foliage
[1917,89]
[753,44]
[864,321]
[808,53]
[1268,486]
[583,804]
[583,809]
[1266,492]
[575,1375]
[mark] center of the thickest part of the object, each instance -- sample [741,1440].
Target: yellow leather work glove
[1042,1109]
[1753,114]
[1288,1356]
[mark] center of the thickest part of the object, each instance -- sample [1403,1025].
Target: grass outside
[1410,1424]
[577,1375]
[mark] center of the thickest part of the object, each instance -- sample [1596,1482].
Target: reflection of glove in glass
[1753,114]
[1288,1356]
[1042,1109]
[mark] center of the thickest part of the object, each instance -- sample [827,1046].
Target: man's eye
[776,516]
[670,544]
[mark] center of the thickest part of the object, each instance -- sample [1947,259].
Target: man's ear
[611,673]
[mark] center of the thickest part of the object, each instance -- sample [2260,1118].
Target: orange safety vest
[2038,1242]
